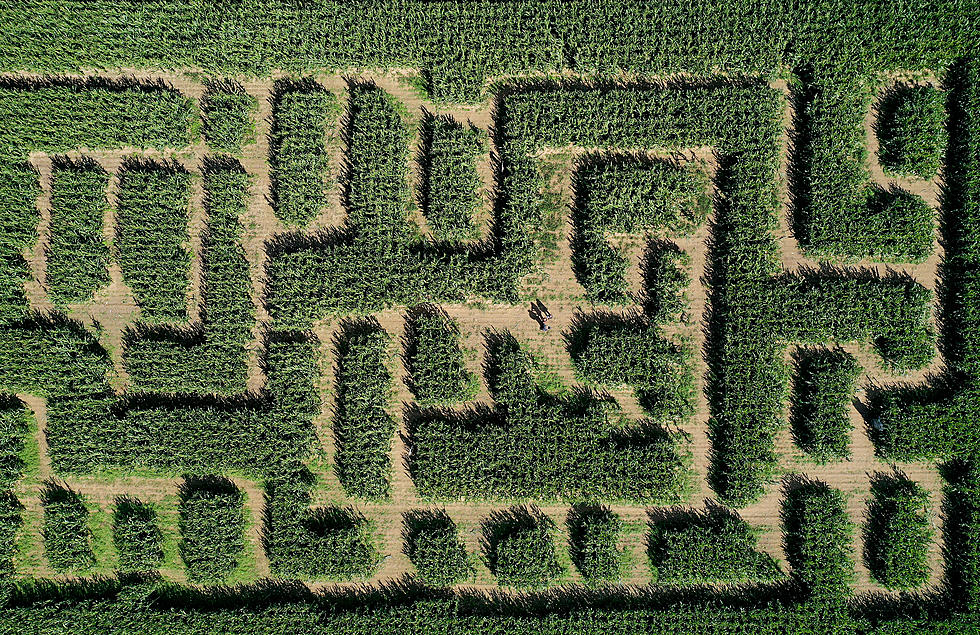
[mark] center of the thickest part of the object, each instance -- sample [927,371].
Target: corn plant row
[431,542]
[460,45]
[377,258]
[209,357]
[76,254]
[302,112]
[434,359]
[176,433]
[817,540]
[227,116]
[67,538]
[136,535]
[715,545]
[934,421]
[449,185]
[212,527]
[330,542]
[590,450]
[362,427]
[614,350]
[838,214]
[911,129]
[625,193]
[593,537]
[14,430]
[519,547]
[897,532]
[57,115]
[823,387]
[152,217]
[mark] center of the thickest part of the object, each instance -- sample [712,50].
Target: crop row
[838,213]
[449,185]
[823,386]
[362,427]
[212,527]
[935,420]
[628,194]
[76,254]
[434,359]
[302,113]
[152,218]
[208,357]
[590,450]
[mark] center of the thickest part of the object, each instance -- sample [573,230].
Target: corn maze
[520,317]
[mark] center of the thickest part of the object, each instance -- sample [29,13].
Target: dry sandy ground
[556,286]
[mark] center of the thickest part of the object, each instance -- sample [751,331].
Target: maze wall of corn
[496,316]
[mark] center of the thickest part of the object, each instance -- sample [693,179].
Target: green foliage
[590,450]
[911,129]
[449,184]
[823,387]
[14,429]
[175,434]
[211,356]
[76,253]
[961,529]
[665,277]
[335,543]
[19,188]
[838,214]
[434,360]
[431,542]
[897,532]
[363,428]
[227,112]
[92,113]
[212,527]
[593,533]
[817,540]
[715,545]
[67,538]
[302,112]
[52,356]
[628,194]
[613,350]
[151,237]
[136,535]
[518,547]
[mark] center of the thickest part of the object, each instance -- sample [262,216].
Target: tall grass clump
[67,538]
[431,541]
[519,549]
[212,527]
[152,217]
[227,114]
[434,359]
[77,255]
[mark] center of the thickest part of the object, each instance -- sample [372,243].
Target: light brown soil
[555,286]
